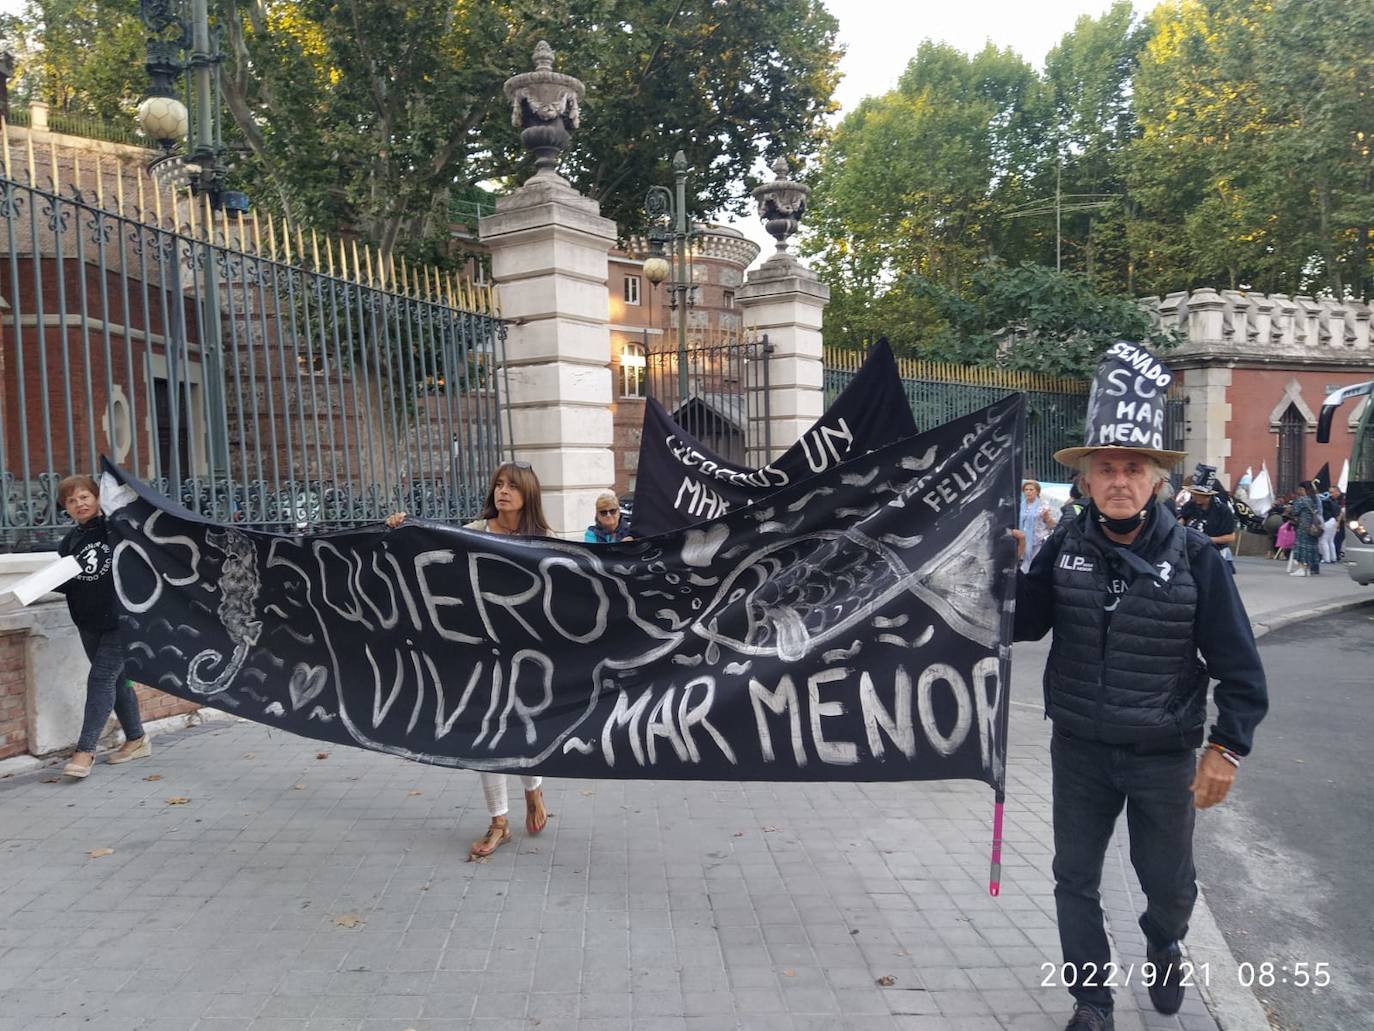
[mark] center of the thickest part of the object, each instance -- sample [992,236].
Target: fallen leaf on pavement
[98,852]
[768,828]
[52,780]
[413,792]
[321,755]
[299,787]
[178,800]
[887,981]
[153,776]
[250,755]
[348,920]
[789,973]
[739,834]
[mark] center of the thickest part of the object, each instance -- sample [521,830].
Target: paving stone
[639,908]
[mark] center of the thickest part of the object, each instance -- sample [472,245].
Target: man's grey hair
[1084,465]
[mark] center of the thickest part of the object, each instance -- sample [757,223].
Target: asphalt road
[1284,862]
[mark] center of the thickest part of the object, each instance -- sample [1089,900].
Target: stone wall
[1247,357]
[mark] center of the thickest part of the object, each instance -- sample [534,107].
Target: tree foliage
[1219,143]
[1031,317]
[371,115]
[81,56]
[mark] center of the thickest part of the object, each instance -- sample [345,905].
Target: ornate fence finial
[545,108]
[782,204]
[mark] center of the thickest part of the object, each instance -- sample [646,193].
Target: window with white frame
[631,289]
[632,364]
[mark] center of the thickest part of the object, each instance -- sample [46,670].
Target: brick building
[1254,370]
[643,323]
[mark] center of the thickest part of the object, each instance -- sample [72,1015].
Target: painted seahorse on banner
[238,586]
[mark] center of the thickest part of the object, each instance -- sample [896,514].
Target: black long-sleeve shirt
[1221,630]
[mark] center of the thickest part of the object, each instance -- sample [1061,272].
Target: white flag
[1261,492]
[1345,476]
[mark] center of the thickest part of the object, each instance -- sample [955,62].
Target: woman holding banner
[513,507]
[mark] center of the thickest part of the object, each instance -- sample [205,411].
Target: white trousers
[494,787]
[1326,547]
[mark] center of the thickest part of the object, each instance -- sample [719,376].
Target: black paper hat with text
[1126,407]
[1204,480]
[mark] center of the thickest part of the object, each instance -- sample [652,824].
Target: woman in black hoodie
[90,599]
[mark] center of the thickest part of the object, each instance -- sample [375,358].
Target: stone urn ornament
[545,108]
[782,204]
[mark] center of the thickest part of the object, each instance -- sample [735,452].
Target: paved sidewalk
[288,892]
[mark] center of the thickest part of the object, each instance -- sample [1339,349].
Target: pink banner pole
[995,877]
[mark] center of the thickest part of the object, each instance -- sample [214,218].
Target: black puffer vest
[1126,673]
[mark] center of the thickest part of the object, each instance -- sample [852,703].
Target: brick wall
[155,705]
[1253,395]
[14,737]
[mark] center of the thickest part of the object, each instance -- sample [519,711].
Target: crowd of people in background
[1307,528]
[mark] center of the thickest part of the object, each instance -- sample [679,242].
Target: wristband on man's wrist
[1226,753]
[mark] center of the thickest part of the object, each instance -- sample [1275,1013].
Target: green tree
[1089,75]
[1033,318]
[917,181]
[1253,166]
[372,113]
[82,56]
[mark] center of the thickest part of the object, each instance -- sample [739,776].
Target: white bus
[1359,494]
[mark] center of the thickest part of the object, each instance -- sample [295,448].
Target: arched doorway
[1292,427]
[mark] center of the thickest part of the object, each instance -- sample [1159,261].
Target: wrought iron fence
[940,391]
[87,126]
[250,371]
[716,388]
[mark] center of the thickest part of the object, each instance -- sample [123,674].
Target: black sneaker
[1166,990]
[1087,1017]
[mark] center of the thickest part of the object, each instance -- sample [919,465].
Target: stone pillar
[548,248]
[785,300]
[38,116]
[1207,414]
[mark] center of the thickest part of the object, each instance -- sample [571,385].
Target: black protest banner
[680,481]
[852,627]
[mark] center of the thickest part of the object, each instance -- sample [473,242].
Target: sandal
[497,835]
[80,766]
[535,817]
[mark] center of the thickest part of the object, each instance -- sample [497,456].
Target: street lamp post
[665,209]
[177,44]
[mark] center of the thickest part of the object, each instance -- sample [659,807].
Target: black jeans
[1092,782]
[107,689]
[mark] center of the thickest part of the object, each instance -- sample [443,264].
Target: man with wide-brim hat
[1211,517]
[1144,615]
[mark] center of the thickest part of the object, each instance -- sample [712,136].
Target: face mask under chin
[1122,526]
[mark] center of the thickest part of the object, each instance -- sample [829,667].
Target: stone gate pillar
[548,246]
[785,300]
